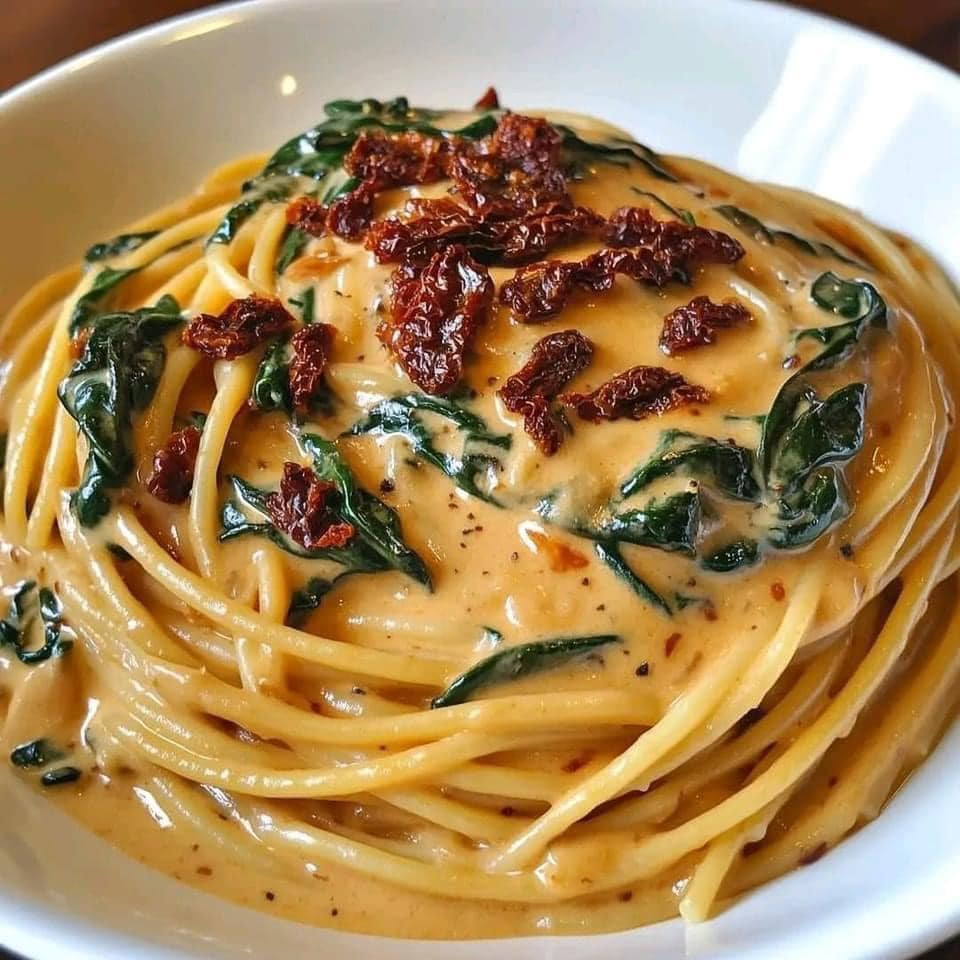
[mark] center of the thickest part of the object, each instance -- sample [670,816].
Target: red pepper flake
[397,159]
[636,393]
[436,311]
[172,476]
[78,344]
[625,896]
[642,670]
[308,215]
[205,871]
[553,363]
[696,323]
[670,644]
[710,612]
[506,811]
[311,347]
[301,508]
[560,557]
[813,855]
[489,100]
[777,590]
[240,327]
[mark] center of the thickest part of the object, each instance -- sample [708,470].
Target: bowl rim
[72,933]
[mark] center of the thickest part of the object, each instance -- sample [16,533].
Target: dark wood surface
[37,33]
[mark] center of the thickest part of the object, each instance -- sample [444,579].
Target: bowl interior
[770,93]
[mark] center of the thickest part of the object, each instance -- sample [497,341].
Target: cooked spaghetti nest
[514,719]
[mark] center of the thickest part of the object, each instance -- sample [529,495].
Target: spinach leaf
[271,385]
[54,778]
[398,416]
[36,753]
[807,513]
[115,377]
[15,627]
[750,225]
[122,243]
[294,241]
[305,600]
[685,215]
[256,194]
[376,523]
[732,556]
[515,662]
[828,431]
[305,304]
[730,468]
[89,303]
[579,152]
[670,523]
[377,543]
[609,553]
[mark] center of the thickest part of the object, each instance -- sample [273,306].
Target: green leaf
[750,225]
[294,240]
[516,662]
[115,377]
[579,152]
[55,778]
[122,243]
[685,215]
[89,303]
[399,416]
[811,511]
[669,523]
[828,431]
[727,466]
[377,524]
[855,299]
[305,304]
[304,601]
[732,556]
[272,189]
[609,553]
[36,753]
[15,627]
[271,385]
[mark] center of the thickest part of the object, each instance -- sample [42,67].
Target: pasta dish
[466,524]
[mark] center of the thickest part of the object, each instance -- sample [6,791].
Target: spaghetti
[468,524]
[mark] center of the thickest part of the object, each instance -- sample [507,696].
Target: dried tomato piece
[172,476]
[350,216]
[540,290]
[554,361]
[303,510]
[636,393]
[530,143]
[238,328]
[433,225]
[397,159]
[436,311]
[531,236]
[311,347]
[679,246]
[489,100]
[307,215]
[697,322]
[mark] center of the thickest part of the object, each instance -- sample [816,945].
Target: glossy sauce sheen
[501,568]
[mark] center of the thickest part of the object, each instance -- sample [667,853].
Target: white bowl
[769,92]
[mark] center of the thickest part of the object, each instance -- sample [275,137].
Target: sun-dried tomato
[636,393]
[554,361]
[436,311]
[172,476]
[432,224]
[303,508]
[311,347]
[697,322]
[238,328]
[540,290]
[350,216]
[489,100]
[678,246]
[308,215]
[515,170]
[397,159]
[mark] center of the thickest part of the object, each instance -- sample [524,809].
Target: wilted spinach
[27,601]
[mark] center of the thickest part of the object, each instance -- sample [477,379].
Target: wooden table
[37,33]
